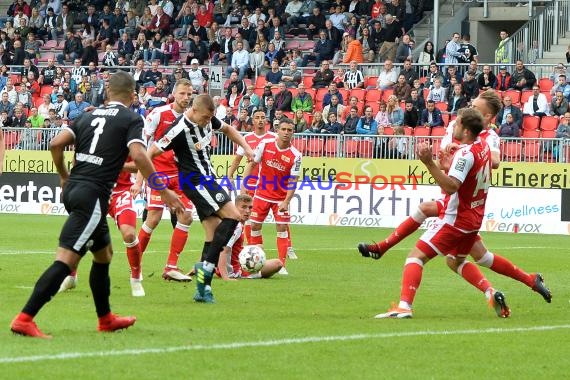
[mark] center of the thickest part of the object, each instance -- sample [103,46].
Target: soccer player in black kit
[103,139]
[190,137]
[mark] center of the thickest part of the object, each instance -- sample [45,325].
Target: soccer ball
[251,258]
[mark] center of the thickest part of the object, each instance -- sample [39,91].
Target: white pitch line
[17,252]
[271,343]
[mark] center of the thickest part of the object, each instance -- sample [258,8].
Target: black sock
[46,287]
[144,215]
[173,219]
[205,250]
[222,235]
[100,284]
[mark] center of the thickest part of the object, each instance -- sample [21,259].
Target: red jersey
[472,166]
[275,166]
[253,141]
[125,180]
[156,124]
[236,245]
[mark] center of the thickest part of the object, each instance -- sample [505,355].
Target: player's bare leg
[405,229]
[503,266]
[271,267]
[473,275]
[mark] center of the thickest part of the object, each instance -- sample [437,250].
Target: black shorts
[208,197]
[86,227]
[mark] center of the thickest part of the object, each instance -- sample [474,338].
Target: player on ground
[456,230]
[488,103]
[190,140]
[244,204]
[279,165]
[103,139]
[156,125]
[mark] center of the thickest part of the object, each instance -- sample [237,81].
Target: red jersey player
[279,166]
[253,139]
[456,230]
[244,204]
[488,103]
[157,123]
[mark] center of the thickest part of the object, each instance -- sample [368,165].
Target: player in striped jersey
[488,103]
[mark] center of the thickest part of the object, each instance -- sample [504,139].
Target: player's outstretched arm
[56,147]
[448,184]
[223,264]
[236,137]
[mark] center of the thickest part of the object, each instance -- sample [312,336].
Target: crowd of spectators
[259,39]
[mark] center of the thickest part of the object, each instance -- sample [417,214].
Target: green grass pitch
[315,323]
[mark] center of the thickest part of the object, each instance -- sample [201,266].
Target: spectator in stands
[559,104]
[78,107]
[470,86]
[503,79]
[33,87]
[394,111]
[368,46]
[64,20]
[28,137]
[563,130]
[45,107]
[283,98]
[522,78]
[402,89]
[302,101]
[509,108]
[315,23]
[324,50]
[411,115]
[473,66]
[351,122]
[378,12]
[275,75]
[398,144]
[272,55]
[275,28]
[561,85]
[392,33]
[437,93]
[158,97]
[451,73]
[72,48]
[299,121]
[197,29]
[110,58]
[292,76]
[90,54]
[49,29]
[142,47]
[35,118]
[332,127]
[431,116]
[354,52]
[125,47]
[487,80]
[139,73]
[19,54]
[91,18]
[170,50]
[503,51]
[18,118]
[537,104]
[333,90]
[557,71]
[426,57]
[246,104]
[197,49]
[47,75]
[367,125]
[152,76]
[5,58]
[334,107]
[409,73]
[160,23]
[144,23]
[404,51]
[256,60]
[6,106]
[382,115]
[510,128]
[456,99]
[324,76]
[388,76]
[60,104]
[353,77]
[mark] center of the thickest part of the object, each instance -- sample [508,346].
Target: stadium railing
[388,146]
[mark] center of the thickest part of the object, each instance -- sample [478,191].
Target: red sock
[282,246]
[503,266]
[256,238]
[411,279]
[134,257]
[144,237]
[247,231]
[405,229]
[473,275]
[73,273]
[177,243]
[289,236]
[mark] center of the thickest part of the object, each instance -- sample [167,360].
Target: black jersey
[191,145]
[102,139]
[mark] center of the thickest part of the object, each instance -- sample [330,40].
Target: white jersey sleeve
[259,152]
[448,137]
[494,141]
[296,169]
[151,123]
[462,162]
[237,233]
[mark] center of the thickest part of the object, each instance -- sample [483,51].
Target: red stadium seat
[545,84]
[315,147]
[423,131]
[512,151]
[300,143]
[350,148]
[532,150]
[366,148]
[530,134]
[514,95]
[549,123]
[331,145]
[531,123]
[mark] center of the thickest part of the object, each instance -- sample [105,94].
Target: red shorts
[261,210]
[154,201]
[444,239]
[121,202]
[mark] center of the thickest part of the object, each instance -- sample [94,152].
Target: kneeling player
[244,204]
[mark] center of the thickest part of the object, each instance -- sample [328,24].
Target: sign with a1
[216,80]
